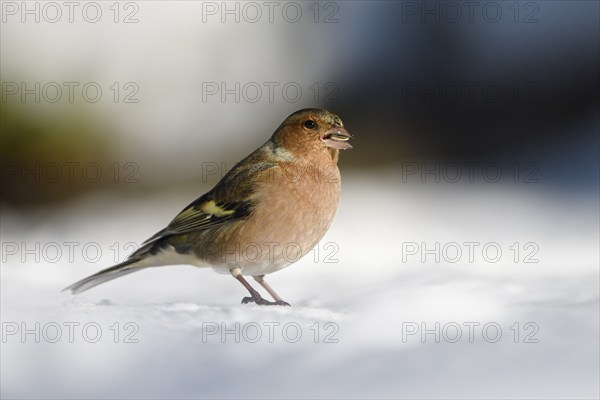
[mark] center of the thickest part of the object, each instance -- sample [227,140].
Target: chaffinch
[265,214]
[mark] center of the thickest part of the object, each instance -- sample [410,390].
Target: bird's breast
[293,211]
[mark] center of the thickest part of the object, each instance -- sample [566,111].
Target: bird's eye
[310,124]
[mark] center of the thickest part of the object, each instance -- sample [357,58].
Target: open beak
[337,138]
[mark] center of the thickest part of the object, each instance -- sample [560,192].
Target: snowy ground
[355,327]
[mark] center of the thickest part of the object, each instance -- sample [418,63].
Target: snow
[182,332]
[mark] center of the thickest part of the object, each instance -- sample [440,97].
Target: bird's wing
[228,201]
[203,213]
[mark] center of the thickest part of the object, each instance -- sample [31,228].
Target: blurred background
[472,121]
[414,81]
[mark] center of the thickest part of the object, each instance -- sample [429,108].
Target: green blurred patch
[51,153]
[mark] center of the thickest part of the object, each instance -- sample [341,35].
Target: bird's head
[313,131]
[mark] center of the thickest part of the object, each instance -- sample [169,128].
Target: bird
[265,213]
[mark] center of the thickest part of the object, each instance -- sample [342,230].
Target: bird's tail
[108,274]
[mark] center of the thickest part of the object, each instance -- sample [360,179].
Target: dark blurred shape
[51,155]
[422,86]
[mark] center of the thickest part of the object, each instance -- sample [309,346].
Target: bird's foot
[262,302]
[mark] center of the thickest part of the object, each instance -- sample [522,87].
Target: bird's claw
[262,302]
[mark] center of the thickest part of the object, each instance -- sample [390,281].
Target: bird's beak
[337,138]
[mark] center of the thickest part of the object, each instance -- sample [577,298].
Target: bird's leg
[278,300]
[256,297]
